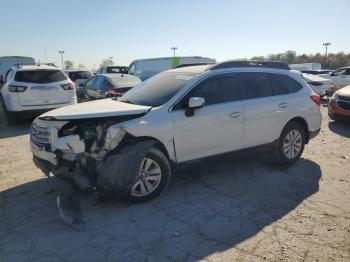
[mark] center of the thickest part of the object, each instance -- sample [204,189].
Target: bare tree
[106,62]
[68,64]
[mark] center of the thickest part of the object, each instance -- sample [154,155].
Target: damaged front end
[73,150]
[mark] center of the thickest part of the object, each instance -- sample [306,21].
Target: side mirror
[331,74]
[194,103]
[82,85]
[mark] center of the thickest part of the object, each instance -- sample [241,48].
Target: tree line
[334,61]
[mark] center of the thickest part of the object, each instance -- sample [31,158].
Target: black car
[106,85]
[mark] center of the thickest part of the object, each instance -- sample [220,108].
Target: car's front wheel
[152,178]
[291,143]
[137,173]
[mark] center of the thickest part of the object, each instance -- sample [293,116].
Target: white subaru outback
[126,148]
[30,89]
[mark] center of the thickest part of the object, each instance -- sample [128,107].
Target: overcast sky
[89,31]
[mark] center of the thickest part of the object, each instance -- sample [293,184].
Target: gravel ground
[235,208]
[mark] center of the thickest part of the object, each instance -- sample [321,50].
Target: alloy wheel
[292,144]
[148,178]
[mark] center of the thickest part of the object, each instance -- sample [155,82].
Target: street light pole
[61,52]
[111,58]
[174,48]
[326,45]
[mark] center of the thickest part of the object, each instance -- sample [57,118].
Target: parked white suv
[35,88]
[127,148]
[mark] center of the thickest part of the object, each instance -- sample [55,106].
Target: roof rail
[193,64]
[233,64]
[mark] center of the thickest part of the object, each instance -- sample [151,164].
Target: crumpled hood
[94,109]
[345,91]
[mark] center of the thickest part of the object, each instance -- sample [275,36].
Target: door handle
[283,105]
[235,114]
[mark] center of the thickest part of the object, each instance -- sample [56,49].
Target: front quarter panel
[156,124]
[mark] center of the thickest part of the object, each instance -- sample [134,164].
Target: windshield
[157,90]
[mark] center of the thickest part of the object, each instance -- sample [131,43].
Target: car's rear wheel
[291,143]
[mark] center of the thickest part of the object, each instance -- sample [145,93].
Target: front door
[213,129]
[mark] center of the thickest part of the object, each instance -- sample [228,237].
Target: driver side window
[339,72]
[216,90]
[132,69]
[89,83]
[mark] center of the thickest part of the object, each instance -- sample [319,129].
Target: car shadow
[19,129]
[340,128]
[210,207]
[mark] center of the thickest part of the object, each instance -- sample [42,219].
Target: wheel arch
[301,121]
[158,144]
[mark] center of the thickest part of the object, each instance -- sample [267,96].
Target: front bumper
[337,113]
[41,153]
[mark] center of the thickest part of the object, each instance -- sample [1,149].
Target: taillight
[67,87]
[316,99]
[315,83]
[114,92]
[18,89]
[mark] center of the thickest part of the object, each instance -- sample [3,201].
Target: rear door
[104,85]
[265,109]
[93,87]
[214,129]
[43,87]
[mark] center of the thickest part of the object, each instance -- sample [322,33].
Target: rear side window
[117,69]
[217,90]
[255,85]
[285,83]
[40,76]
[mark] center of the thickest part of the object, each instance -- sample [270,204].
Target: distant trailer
[146,68]
[306,66]
[6,62]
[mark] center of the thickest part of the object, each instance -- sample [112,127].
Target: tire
[291,143]
[157,157]
[121,174]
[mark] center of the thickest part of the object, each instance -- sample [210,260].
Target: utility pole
[174,48]
[61,52]
[325,56]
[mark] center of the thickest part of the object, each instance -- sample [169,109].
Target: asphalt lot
[235,208]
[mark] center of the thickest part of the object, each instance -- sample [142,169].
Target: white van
[306,66]
[6,62]
[146,68]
